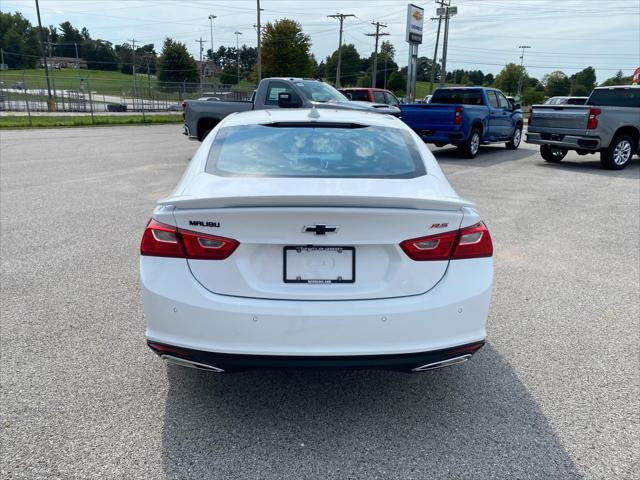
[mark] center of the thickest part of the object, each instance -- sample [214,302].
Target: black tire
[204,134]
[552,154]
[469,149]
[619,153]
[439,144]
[515,139]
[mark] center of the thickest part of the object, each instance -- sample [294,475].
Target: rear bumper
[570,142]
[180,312]
[224,362]
[440,136]
[187,131]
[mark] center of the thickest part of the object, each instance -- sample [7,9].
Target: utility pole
[341,17]
[259,29]
[236,33]
[449,11]
[442,3]
[133,70]
[523,47]
[378,34]
[201,42]
[51,104]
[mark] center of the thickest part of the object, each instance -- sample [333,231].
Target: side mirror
[517,106]
[349,96]
[286,100]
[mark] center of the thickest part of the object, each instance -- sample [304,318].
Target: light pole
[238,54]
[521,69]
[211,17]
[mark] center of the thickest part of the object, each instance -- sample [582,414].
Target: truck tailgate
[565,118]
[428,116]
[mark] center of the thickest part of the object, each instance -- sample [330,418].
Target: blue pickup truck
[466,117]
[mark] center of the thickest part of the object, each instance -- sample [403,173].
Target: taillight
[457,118]
[593,118]
[160,240]
[530,121]
[184,108]
[470,242]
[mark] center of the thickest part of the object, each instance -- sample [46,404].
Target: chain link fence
[84,95]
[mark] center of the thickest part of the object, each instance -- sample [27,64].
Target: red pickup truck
[373,95]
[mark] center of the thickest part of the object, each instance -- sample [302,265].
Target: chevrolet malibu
[315,238]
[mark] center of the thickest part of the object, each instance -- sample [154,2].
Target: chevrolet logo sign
[320,229]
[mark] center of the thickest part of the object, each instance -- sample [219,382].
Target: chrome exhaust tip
[188,363]
[442,363]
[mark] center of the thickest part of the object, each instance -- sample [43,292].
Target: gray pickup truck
[201,116]
[608,123]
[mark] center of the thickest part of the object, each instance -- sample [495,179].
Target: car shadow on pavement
[475,420]
[593,167]
[488,156]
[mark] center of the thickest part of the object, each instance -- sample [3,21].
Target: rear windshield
[312,150]
[464,97]
[617,97]
[577,100]
[359,95]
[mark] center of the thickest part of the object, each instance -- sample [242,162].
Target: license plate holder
[314,264]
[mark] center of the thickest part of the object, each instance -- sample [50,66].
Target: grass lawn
[99,81]
[422,88]
[44,121]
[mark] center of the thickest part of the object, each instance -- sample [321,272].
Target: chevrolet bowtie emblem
[320,229]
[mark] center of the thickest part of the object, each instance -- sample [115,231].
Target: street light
[238,54]
[211,17]
[521,69]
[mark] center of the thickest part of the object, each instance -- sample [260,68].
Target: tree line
[286,51]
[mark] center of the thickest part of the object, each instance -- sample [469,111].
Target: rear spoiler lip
[318,201]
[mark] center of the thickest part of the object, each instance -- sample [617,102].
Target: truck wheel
[619,153]
[470,148]
[552,154]
[515,140]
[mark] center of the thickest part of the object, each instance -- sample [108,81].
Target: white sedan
[315,238]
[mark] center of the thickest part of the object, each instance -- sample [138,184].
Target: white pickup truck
[609,123]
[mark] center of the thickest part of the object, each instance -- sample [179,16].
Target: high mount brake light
[160,240]
[469,242]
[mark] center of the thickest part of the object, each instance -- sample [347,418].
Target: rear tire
[619,153]
[552,154]
[516,139]
[470,148]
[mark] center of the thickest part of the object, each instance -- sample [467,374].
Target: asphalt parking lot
[555,394]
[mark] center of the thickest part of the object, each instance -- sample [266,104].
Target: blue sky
[564,35]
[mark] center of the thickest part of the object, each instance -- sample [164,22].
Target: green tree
[286,50]
[397,82]
[175,65]
[556,84]
[19,39]
[618,79]
[349,69]
[229,75]
[584,81]
[507,80]
[532,96]
[488,79]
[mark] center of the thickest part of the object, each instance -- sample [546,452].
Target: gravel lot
[554,395]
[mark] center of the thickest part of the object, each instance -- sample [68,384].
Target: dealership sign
[415,19]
